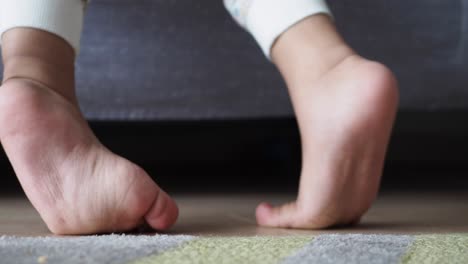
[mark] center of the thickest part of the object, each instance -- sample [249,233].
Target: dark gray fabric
[113,249]
[186,59]
[353,249]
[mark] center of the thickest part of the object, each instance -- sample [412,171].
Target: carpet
[329,248]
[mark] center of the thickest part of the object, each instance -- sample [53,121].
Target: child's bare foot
[345,110]
[77,185]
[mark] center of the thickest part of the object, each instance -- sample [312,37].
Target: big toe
[163,212]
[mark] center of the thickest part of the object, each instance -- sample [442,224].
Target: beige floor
[234,215]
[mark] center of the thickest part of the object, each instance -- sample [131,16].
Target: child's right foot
[77,185]
[345,119]
[345,107]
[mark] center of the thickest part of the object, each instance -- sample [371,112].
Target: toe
[282,216]
[163,213]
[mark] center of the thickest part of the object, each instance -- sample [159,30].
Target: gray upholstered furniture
[187,59]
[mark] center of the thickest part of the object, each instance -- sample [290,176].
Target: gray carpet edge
[112,248]
[352,249]
[121,248]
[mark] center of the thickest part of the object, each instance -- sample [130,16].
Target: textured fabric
[113,249]
[238,10]
[333,248]
[60,17]
[450,249]
[350,249]
[231,250]
[266,20]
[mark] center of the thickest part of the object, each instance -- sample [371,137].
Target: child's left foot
[345,118]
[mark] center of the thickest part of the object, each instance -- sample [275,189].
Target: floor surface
[229,215]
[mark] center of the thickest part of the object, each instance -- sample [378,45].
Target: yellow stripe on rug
[227,250]
[431,249]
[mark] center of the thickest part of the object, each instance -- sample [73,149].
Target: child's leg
[345,107]
[77,185]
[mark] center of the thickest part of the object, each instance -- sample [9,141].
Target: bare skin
[76,184]
[345,106]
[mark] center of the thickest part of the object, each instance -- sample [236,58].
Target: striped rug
[330,248]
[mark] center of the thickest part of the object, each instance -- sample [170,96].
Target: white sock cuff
[63,18]
[266,20]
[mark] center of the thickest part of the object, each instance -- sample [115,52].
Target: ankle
[310,49]
[39,57]
[40,73]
